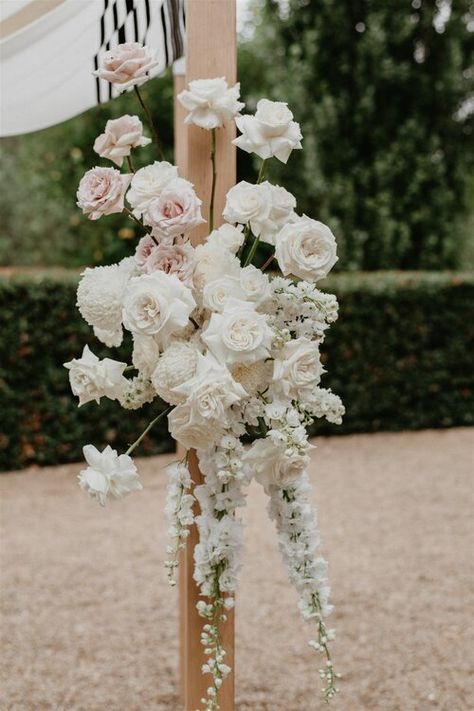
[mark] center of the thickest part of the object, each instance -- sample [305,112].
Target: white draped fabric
[49,49]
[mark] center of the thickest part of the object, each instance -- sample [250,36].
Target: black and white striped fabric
[49,49]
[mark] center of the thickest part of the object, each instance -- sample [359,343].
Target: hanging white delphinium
[231,349]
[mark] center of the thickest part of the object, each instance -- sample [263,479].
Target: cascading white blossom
[233,351]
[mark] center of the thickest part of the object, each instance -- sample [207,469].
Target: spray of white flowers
[231,348]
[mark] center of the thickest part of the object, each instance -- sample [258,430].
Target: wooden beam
[211,51]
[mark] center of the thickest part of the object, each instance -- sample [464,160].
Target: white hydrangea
[108,475]
[138,392]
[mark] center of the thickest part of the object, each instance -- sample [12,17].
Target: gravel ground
[89,622]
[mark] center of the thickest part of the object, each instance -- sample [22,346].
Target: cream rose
[282,210]
[297,367]
[212,262]
[119,137]
[254,284]
[210,102]
[191,430]
[177,259]
[271,132]
[273,464]
[148,183]
[92,378]
[157,305]
[248,204]
[217,292]
[239,334]
[177,211]
[228,237]
[102,192]
[127,65]
[306,248]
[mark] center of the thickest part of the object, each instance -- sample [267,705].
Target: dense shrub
[399,356]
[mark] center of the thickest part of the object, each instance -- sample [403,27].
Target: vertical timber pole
[211,51]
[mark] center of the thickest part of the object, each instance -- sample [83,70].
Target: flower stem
[150,123]
[252,251]
[147,429]
[268,262]
[137,222]
[214,179]
[261,173]
[130,164]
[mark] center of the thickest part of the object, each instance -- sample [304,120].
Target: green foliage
[41,224]
[399,356]
[377,86]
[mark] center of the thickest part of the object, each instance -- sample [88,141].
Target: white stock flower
[228,237]
[157,304]
[239,334]
[217,292]
[306,248]
[145,353]
[210,102]
[176,364]
[119,137]
[271,132]
[148,183]
[176,211]
[248,204]
[108,474]
[297,367]
[92,378]
[100,296]
[254,284]
[273,464]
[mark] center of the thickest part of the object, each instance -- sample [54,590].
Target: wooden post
[210,52]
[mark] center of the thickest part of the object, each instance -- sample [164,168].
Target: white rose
[297,367]
[157,304]
[176,364]
[210,102]
[248,204]
[282,210]
[271,132]
[92,378]
[239,334]
[127,65]
[306,248]
[108,474]
[119,137]
[176,211]
[145,353]
[190,429]
[148,183]
[254,284]
[228,237]
[213,262]
[252,376]
[273,464]
[217,292]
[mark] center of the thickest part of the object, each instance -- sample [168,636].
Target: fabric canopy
[49,49]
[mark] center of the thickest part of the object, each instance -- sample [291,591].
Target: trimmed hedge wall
[399,356]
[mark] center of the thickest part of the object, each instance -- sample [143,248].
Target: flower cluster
[233,350]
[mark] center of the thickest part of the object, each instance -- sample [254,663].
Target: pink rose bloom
[175,259]
[127,65]
[102,192]
[144,248]
[176,211]
[120,136]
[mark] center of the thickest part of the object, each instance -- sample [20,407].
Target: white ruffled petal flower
[109,475]
[306,248]
[271,132]
[210,102]
[92,378]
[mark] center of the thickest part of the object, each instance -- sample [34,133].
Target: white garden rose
[175,212]
[108,474]
[102,191]
[157,305]
[213,261]
[282,210]
[126,65]
[145,353]
[239,334]
[217,292]
[148,183]
[119,137]
[210,102]
[177,364]
[227,236]
[306,248]
[92,378]
[273,464]
[271,132]
[190,429]
[297,367]
[254,283]
[100,297]
[248,204]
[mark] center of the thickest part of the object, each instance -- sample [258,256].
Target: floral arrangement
[232,349]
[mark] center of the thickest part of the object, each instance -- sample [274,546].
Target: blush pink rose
[102,192]
[176,211]
[144,248]
[119,137]
[127,65]
[175,259]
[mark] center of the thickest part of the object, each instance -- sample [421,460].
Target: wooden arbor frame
[210,52]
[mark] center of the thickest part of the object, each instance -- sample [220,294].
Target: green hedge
[399,356]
